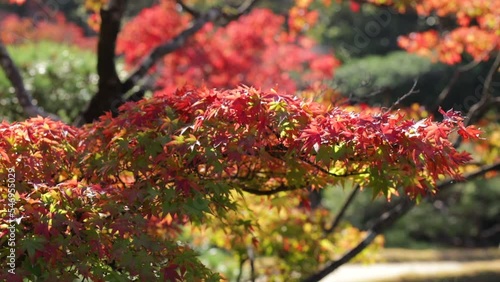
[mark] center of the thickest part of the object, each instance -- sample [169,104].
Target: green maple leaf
[32,244]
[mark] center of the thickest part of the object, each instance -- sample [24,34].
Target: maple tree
[109,200]
[170,159]
[16,30]
[225,57]
[477,30]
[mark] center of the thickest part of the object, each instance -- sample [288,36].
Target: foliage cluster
[17,30]
[60,77]
[458,222]
[226,57]
[177,157]
[110,200]
[292,243]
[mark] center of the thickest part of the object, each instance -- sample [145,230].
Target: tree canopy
[211,115]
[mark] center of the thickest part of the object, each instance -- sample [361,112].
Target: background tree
[193,156]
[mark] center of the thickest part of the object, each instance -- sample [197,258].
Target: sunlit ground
[401,265]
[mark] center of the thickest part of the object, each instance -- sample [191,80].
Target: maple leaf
[469,132]
[435,132]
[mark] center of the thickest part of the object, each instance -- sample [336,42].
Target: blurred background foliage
[366,43]
[62,79]
[464,216]
[381,80]
[291,238]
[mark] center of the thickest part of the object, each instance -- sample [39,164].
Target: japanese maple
[477,30]
[226,56]
[135,179]
[109,201]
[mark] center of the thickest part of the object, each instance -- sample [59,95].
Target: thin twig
[411,92]
[351,100]
[487,100]
[251,258]
[342,211]
[480,107]
[245,7]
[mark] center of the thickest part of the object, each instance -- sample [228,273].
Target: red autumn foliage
[478,34]
[108,201]
[226,57]
[17,30]
[165,161]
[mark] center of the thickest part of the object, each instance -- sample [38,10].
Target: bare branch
[23,96]
[212,15]
[411,92]
[281,188]
[244,8]
[486,102]
[387,219]
[342,211]
[251,257]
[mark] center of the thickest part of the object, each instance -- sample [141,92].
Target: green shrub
[370,31]
[394,75]
[61,79]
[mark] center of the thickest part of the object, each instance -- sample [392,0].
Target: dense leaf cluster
[226,57]
[109,199]
[476,28]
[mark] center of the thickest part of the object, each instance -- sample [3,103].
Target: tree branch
[212,15]
[240,272]
[109,94]
[446,91]
[111,89]
[342,211]
[244,8]
[478,109]
[23,96]
[251,257]
[387,219]
[281,188]
[411,92]
[487,100]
